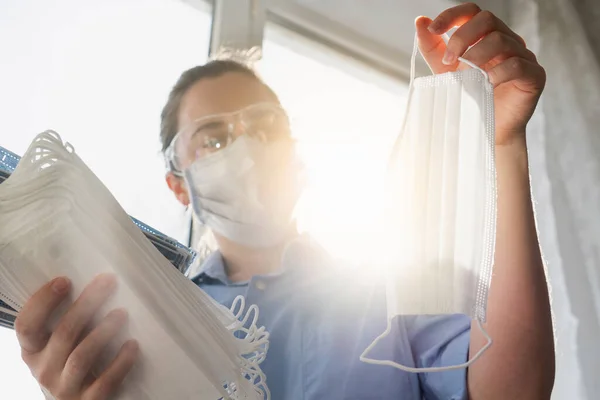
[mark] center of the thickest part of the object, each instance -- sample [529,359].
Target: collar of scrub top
[302,253]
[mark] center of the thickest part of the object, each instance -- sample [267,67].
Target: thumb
[432,47]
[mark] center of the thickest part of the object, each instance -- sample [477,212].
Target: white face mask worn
[248,191]
[442,202]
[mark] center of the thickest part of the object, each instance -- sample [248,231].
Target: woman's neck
[242,263]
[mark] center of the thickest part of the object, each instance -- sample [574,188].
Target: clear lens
[210,134]
[267,124]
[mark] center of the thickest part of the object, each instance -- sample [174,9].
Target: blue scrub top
[320,321]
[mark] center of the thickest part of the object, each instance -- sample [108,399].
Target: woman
[321,322]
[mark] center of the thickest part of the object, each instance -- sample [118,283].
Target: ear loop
[390,363]
[363,357]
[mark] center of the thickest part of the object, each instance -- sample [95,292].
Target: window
[99,72]
[346,118]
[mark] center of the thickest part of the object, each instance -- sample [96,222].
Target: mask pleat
[468,232]
[422,150]
[434,198]
[449,190]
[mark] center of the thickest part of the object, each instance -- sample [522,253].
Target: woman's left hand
[517,77]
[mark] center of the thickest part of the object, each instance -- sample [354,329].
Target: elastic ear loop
[255,337]
[363,357]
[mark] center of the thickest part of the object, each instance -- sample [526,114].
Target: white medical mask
[248,191]
[442,197]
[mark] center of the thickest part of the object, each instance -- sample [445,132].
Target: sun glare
[345,127]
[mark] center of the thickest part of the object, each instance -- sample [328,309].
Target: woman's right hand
[62,361]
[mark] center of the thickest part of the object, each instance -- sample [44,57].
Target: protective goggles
[207,135]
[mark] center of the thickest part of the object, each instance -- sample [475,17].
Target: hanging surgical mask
[442,202]
[248,191]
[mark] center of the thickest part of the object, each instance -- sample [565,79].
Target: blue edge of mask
[179,255]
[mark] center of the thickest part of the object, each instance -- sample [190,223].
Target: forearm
[520,362]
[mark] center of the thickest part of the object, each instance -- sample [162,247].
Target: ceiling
[377,32]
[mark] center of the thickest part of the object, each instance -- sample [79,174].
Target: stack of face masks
[442,201]
[180,256]
[58,219]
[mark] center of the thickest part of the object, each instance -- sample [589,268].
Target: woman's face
[224,94]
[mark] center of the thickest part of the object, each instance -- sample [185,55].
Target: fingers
[71,325]
[110,380]
[497,46]
[490,37]
[472,31]
[32,321]
[452,17]
[432,46]
[81,360]
[65,372]
[526,75]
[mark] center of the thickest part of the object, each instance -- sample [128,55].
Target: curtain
[564,144]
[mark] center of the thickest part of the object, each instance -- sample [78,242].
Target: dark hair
[169,117]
